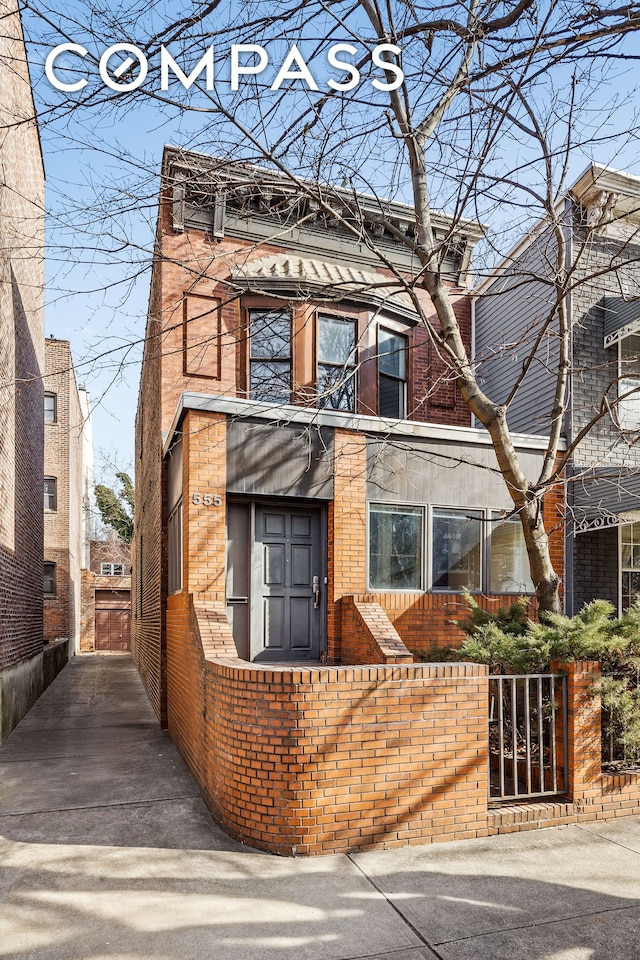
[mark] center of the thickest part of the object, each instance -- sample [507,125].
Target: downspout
[569,526]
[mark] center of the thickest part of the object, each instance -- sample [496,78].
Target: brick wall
[321,760]
[63,526]
[436,398]
[368,636]
[21,354]
[148,549]
[347,530]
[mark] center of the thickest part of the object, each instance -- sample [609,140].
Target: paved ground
[108,853]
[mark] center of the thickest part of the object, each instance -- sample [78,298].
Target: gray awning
[621,319]
[605,497]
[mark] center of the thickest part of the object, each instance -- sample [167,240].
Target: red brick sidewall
[329,759]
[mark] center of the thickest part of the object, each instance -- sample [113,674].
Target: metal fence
[527,736]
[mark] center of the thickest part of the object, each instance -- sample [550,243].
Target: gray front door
[288,602]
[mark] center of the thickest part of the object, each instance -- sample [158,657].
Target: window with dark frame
[50,493]
[336,379]
[50,408]
[49,584]
[270,355]
[392,374]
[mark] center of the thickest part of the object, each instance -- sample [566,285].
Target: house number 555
[206,499]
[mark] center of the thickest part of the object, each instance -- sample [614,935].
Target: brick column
[204,523]
[347,529]
[583,729]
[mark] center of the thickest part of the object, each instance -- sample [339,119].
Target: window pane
[271,381]
[630,356]
[336,388]
[391,397]
[395,547]
[391,348]
[49,583]
[336,341]
[630,588]
[630,572]
[509,559]
[50,408]
[456,549]
[50,493]
[629,406]
[270,334]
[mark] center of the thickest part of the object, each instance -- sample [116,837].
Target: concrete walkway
[107,852]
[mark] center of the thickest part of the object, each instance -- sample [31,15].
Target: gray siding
[509,317]
[288,460]
[602,271]
[439,472]
[595,565]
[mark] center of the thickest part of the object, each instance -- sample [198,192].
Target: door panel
[288,551]
[273,623]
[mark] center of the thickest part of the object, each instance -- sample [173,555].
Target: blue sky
[102,159]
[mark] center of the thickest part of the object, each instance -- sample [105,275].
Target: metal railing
[527,736]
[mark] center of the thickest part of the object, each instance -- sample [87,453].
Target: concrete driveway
[107,851]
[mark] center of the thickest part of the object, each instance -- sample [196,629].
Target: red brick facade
[309,758]
[63,465]
[297,760]
[21,356]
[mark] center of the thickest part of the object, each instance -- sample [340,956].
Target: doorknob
[316,592]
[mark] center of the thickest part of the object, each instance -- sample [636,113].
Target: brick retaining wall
[326,759]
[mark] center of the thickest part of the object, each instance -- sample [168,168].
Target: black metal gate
[527,736]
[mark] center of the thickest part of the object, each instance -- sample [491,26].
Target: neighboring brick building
[24,668]
[601,224]
[67,521]
[308,489]
[106,597]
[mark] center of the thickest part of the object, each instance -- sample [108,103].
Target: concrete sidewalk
[107,851]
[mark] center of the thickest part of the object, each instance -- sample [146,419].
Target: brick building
[25,668]
[309,490]
[106,597]
[67,510]
[601,227]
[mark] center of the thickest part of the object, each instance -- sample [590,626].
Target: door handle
[316,592]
